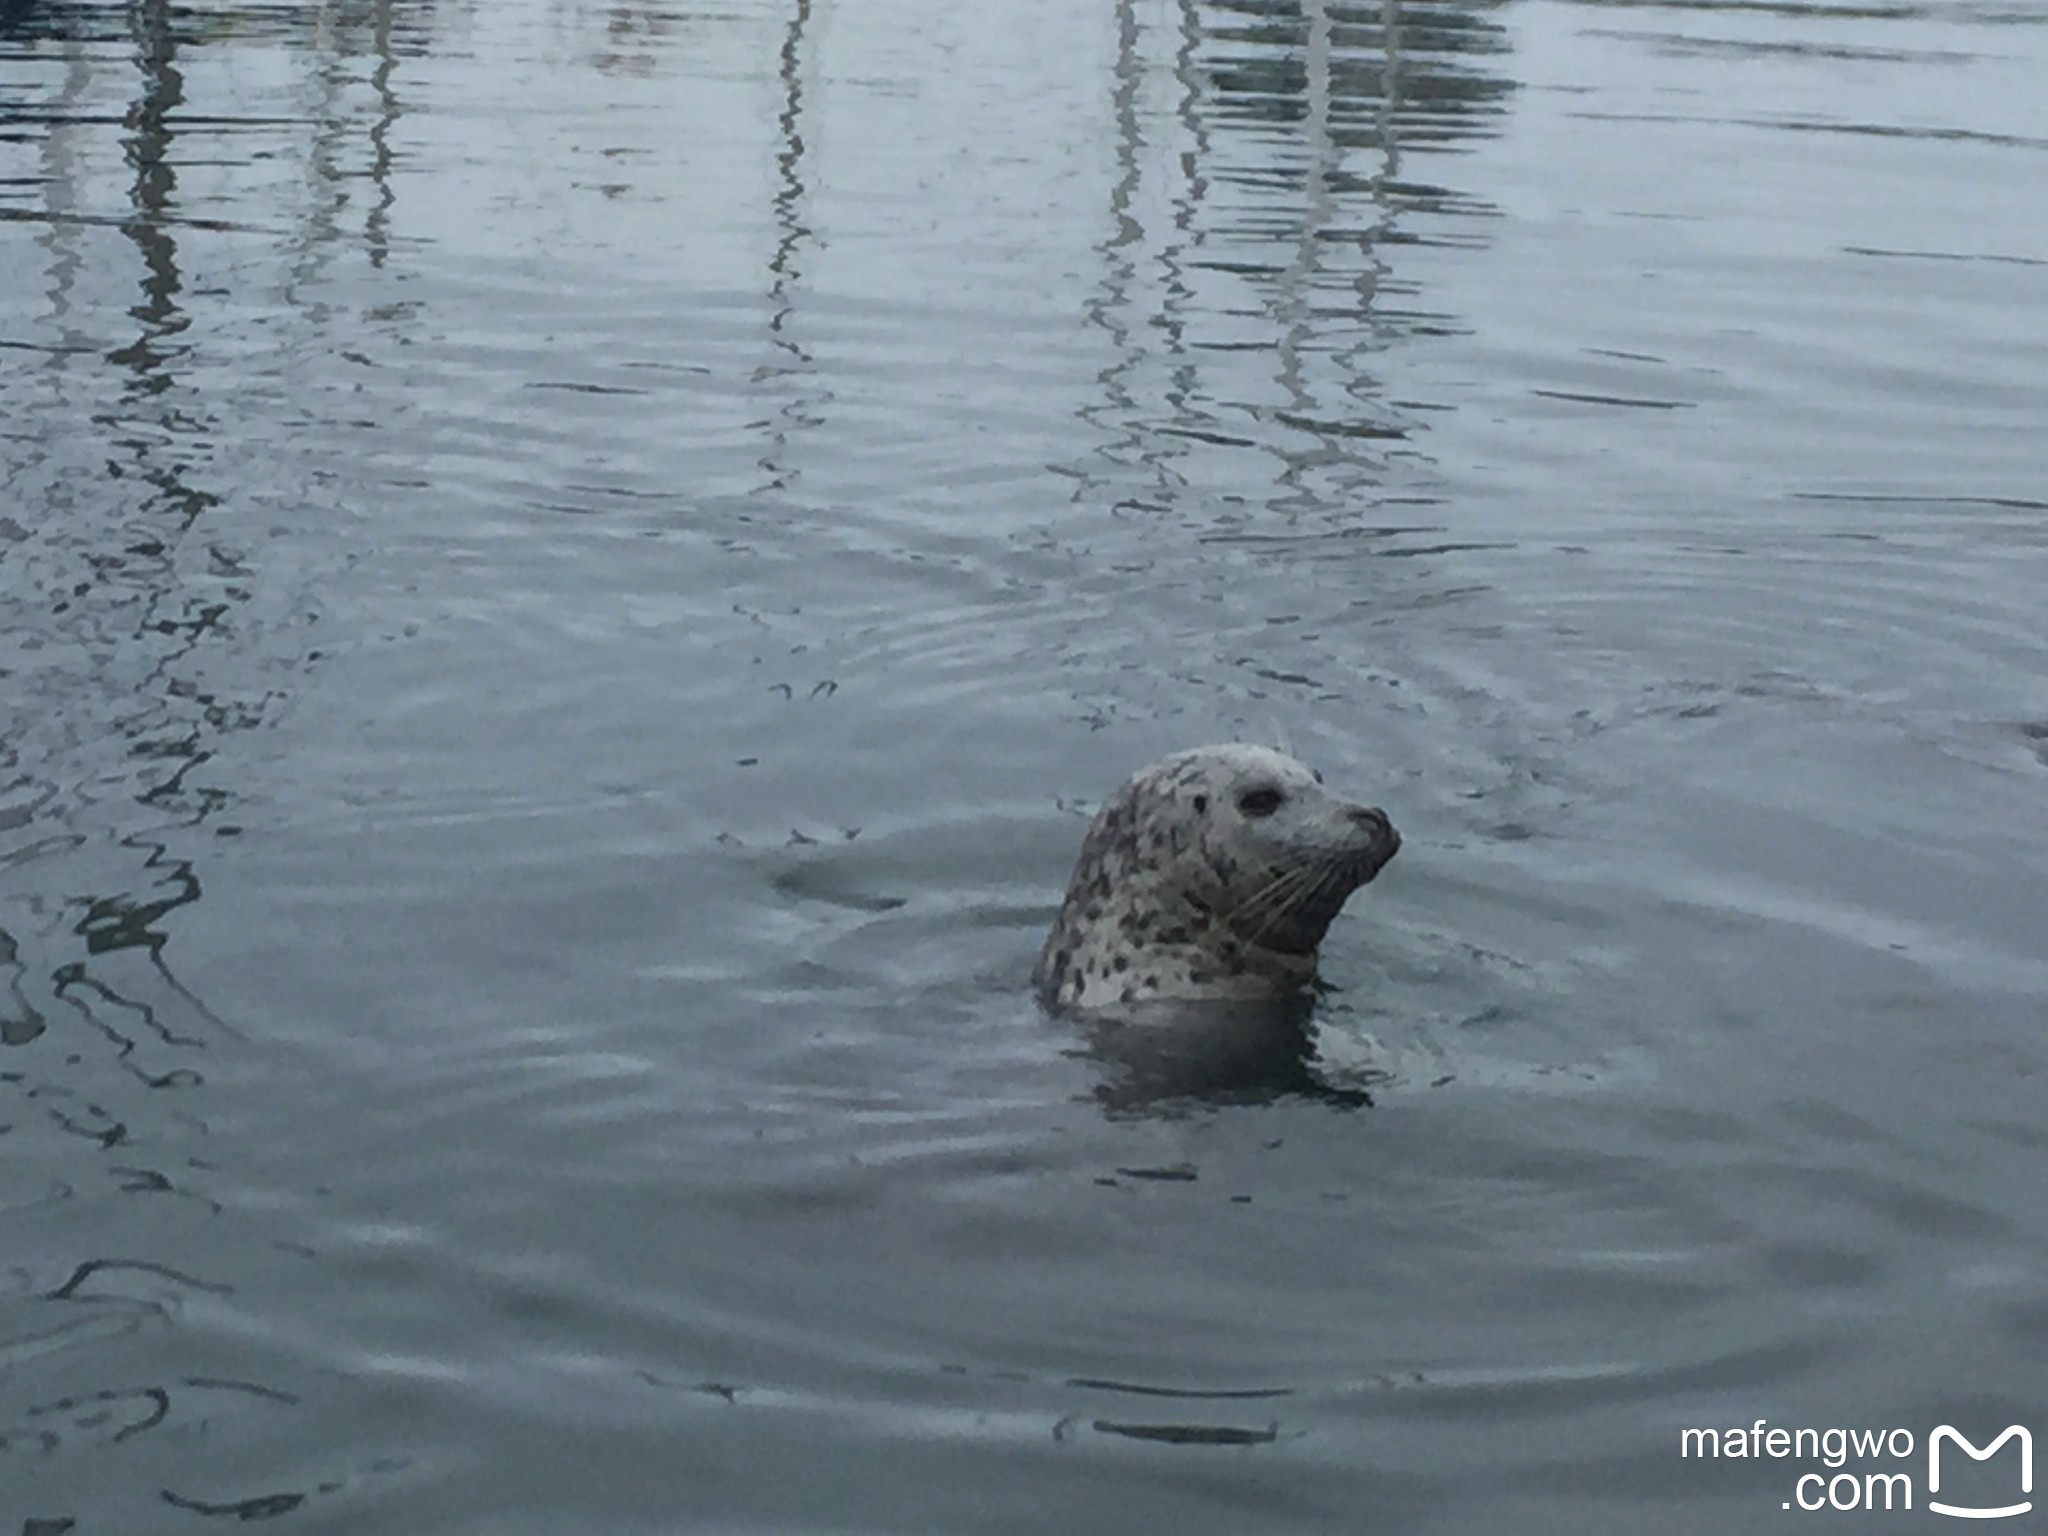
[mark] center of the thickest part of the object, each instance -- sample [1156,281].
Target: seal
[1212,874]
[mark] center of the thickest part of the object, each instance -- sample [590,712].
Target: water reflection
[131,597]
[38,21]
[634,35]
[1280,160]
[20,1022]
[806,404]
[1186,1056]
[145,626]
[375,32]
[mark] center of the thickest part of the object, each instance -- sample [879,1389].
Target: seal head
[1211,874]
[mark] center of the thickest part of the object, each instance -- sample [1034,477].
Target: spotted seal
[1212,874]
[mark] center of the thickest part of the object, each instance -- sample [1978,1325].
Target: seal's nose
[1375,819]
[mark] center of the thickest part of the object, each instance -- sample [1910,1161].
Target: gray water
[569,576]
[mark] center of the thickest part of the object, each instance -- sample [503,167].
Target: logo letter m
[1962,1443]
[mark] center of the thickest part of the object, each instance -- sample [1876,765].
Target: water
[569,575]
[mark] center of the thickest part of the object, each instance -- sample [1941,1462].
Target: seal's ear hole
[1260,802]
[1201,804]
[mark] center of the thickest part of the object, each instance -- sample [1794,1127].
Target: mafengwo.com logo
[1884,1464]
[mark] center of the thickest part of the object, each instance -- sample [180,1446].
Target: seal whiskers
[1279,898]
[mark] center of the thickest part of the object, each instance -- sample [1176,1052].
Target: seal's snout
[1382,842]
[1374,820]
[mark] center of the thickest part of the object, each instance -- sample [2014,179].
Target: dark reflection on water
[786,265]
[1248,323]
[561,566]
[153,616]
[1187,1058]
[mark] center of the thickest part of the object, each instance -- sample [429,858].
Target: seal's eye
[1201,804]
[1260,802]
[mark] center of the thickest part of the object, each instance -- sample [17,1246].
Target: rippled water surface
[570,574]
